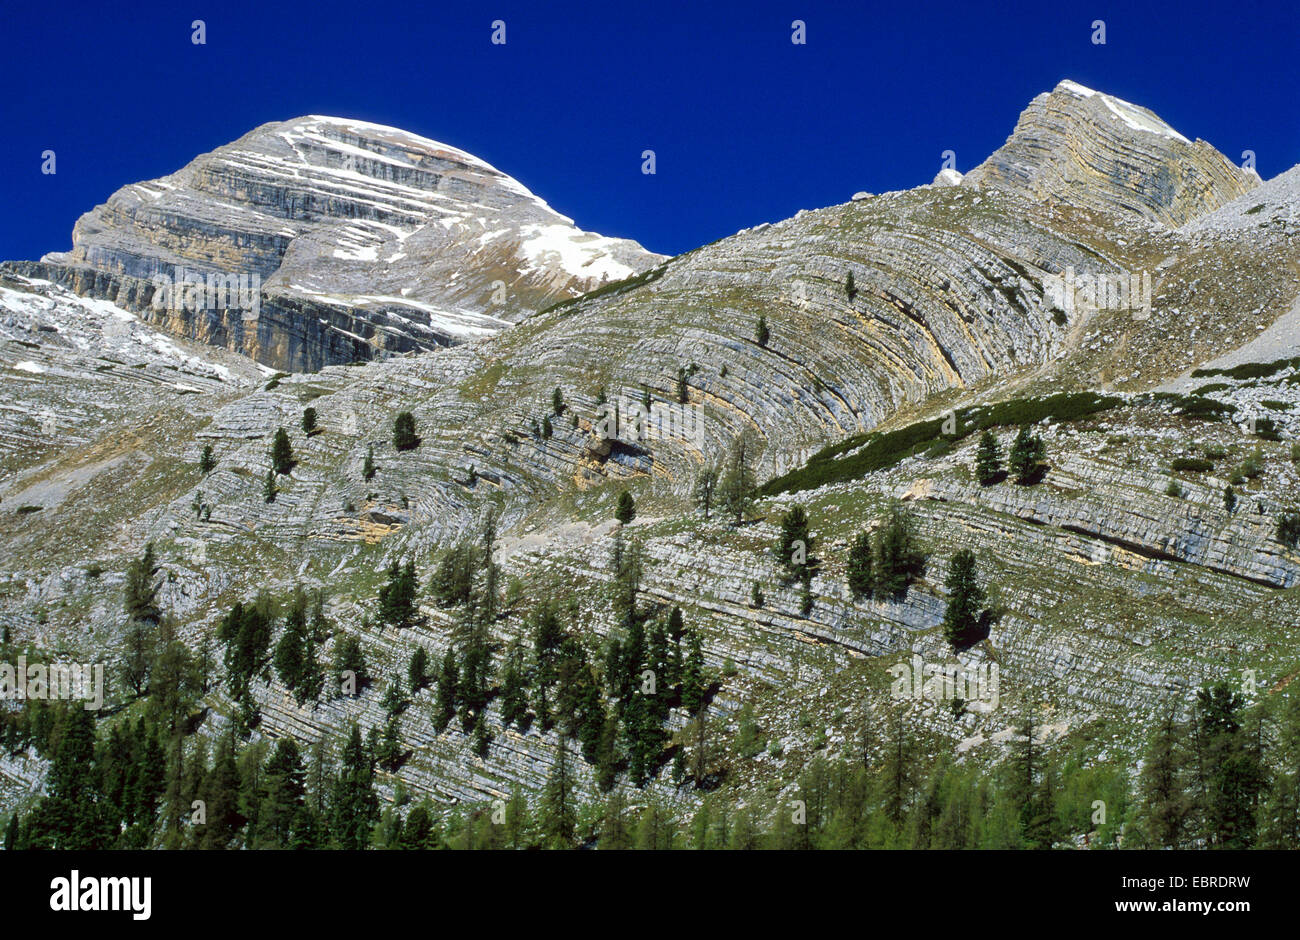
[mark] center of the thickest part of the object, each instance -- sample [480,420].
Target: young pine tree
[417,670]
[626,510]
[706,484]
[281,453]
[1027,452]
[964,617]
[447,697]
[988,459]
[736,488]
[861,576]
[796,543]
[404,436]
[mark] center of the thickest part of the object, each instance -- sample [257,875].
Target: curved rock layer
[1078,147]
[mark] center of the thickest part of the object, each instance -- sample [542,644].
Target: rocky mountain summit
[1078,147]
[862,347]
[354,237]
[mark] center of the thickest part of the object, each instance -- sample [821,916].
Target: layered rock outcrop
[344,238]
[1078,147]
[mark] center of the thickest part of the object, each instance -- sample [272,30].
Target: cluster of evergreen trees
[468,578]
[1025,460]
[613,702]
[884,565]
[139,785]
[1228,776]
[296,659]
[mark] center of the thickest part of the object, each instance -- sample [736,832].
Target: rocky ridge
[362,238]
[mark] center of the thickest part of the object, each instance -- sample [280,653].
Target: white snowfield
[1139,119]
[547,244]
[71,329]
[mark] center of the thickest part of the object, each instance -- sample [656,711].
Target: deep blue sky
[747,127]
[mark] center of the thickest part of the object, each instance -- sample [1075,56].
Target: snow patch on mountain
[1139,119]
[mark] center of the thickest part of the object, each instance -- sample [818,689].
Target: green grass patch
[878,450]
[614,287]
[1194,406]
[1251,370]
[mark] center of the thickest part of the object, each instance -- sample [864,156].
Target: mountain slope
[1118,593]
[362,238]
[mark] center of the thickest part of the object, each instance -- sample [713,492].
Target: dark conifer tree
[898,558]
[75,815]
[349,657]
[560,811]
[354,808]
[448,681]
[626,510]
[417,670]
[285,790]
[1027,452]
[404,436]
[281,453]
[514,690]
[548,637]
[964,619]
[988,459]
[220,795]
[1163,805]
[861,574]
[796,544]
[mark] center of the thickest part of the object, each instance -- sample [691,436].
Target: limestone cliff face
[1074,146]
[358,238]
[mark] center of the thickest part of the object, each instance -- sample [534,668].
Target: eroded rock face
[357,238]
[1078,147]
